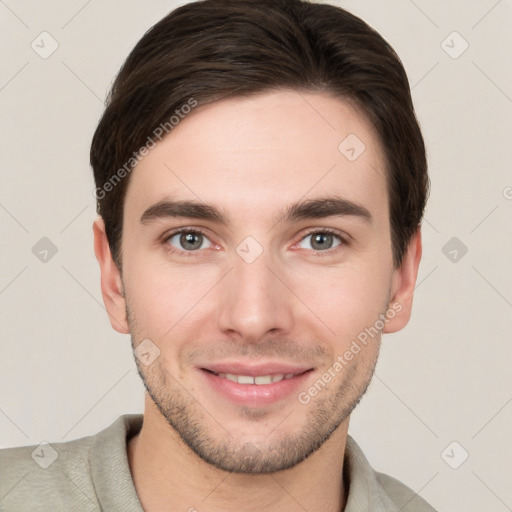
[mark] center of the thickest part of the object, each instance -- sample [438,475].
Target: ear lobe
[111,282]
[404,282]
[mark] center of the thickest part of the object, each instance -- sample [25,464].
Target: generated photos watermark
[157,135]
[361,341]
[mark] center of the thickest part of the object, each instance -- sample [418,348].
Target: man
[261,179]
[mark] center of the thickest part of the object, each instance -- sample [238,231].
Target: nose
[255,299]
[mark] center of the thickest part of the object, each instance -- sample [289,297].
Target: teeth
[260,380]
[263,379]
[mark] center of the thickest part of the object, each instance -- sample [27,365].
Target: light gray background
[64,373]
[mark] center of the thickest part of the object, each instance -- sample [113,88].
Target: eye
[188,240]
[322,240]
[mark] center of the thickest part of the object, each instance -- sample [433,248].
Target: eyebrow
[318,208]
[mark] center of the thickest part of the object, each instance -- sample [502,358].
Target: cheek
[348,300]
[164,299]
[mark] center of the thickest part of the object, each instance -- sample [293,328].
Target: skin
[251,158]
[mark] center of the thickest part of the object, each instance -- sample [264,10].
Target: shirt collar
[364,491]
[110,470]
[115,489]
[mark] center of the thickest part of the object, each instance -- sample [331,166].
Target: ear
[111,282]
[404,282]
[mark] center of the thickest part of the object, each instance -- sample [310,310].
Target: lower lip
[254,394]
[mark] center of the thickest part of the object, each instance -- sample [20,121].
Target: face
[256,253]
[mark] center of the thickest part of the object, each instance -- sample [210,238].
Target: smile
[260,380]
[264,385]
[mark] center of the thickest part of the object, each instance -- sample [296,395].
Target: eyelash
[196,231]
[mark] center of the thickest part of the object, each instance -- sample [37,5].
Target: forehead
[259,153]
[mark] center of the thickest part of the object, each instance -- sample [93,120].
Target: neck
[168,476]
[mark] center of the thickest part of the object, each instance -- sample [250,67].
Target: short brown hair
[214,49]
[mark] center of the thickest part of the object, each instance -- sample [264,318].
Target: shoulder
[44,472]
[371,490]
[65,476]
[402,496]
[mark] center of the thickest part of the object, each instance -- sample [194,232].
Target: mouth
[258,380]
[255,386]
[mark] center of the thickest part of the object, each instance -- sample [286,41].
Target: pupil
[188,238]
[322,236]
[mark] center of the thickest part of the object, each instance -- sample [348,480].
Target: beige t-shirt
[92,474]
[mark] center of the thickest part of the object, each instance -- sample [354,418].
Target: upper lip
[255,369]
